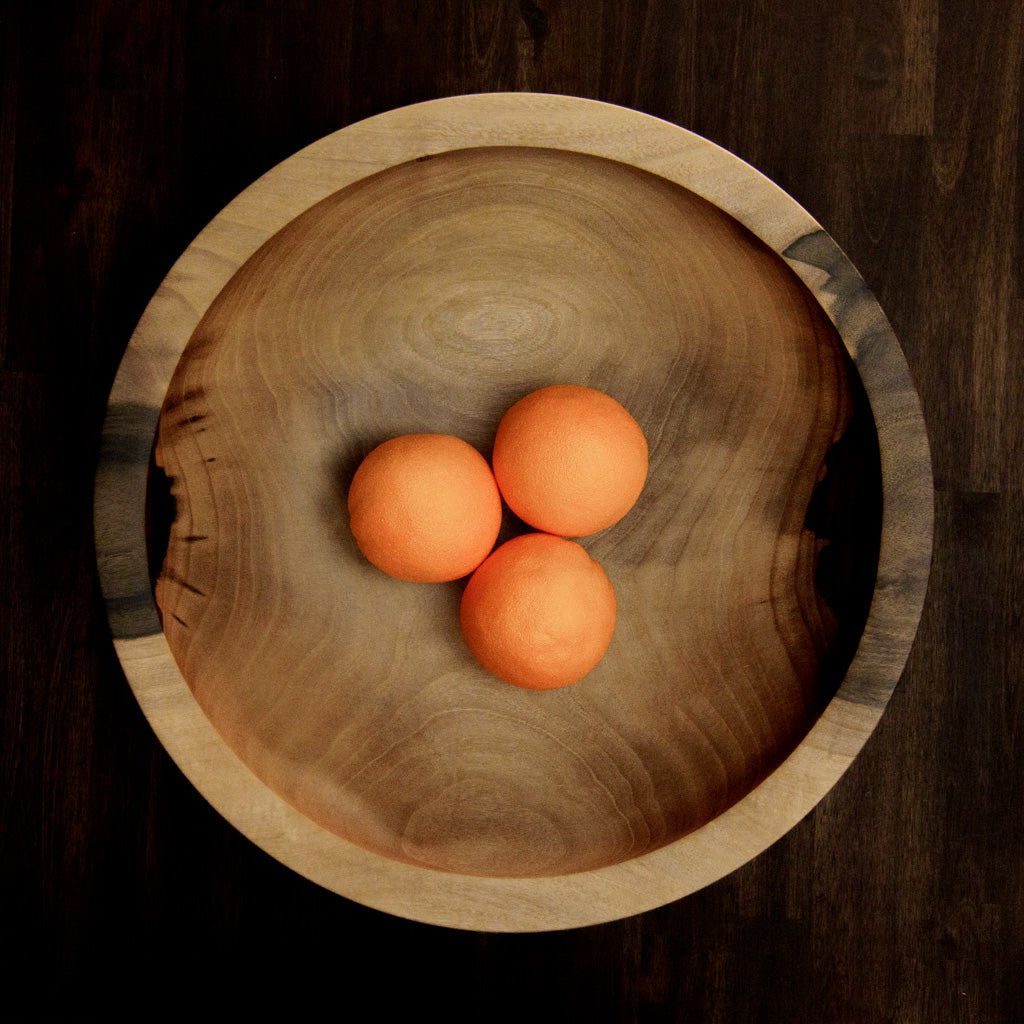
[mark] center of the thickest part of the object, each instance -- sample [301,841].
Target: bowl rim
[571,124]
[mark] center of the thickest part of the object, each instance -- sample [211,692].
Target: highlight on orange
[570,460]
[425,508]
[539,612]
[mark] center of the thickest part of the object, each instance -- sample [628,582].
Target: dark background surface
[127,126]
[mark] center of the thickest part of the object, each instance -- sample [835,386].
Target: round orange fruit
[539,612]
[569,460]
[425,508]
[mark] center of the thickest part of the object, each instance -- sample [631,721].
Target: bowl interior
[430,297]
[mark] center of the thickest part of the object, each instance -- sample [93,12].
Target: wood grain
[716,746]
[431,297]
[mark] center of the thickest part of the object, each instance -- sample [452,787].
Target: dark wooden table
[127,126]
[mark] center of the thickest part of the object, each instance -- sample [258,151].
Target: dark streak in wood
[168,574]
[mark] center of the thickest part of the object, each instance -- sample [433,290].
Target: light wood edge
[756,821]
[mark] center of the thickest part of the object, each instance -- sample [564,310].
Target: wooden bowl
[421,271]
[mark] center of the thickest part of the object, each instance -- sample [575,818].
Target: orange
[569,460]
[539,612]
[425,508]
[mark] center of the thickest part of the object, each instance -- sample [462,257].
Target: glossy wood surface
[125,128]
